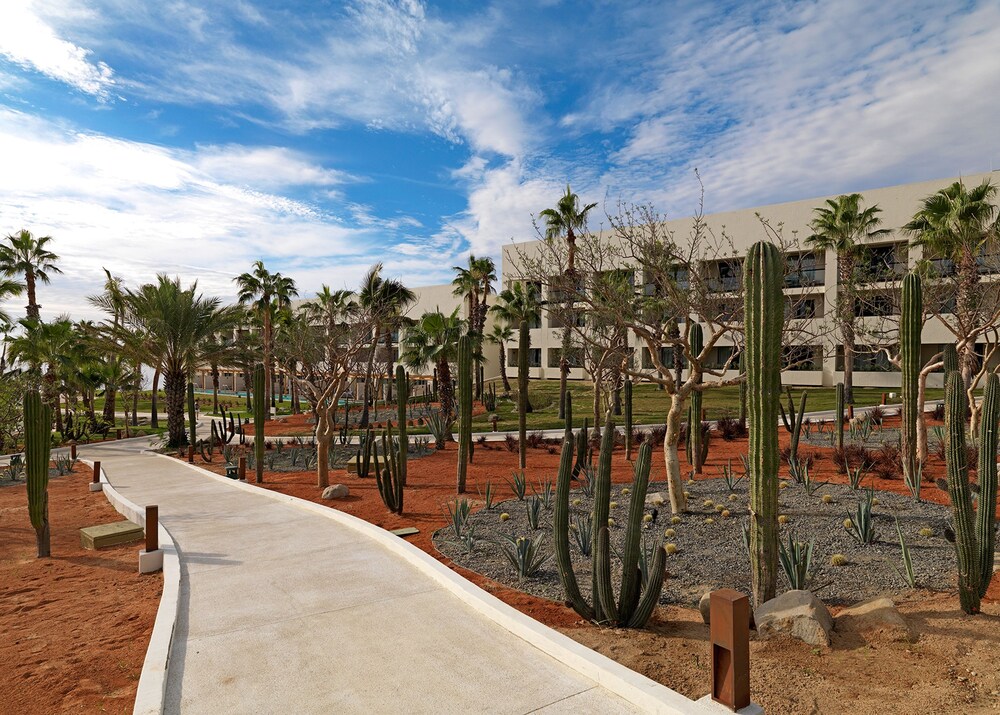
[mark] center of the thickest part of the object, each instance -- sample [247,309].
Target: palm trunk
[445,389]
[110,400]
[174,384]
[215,389]
[369,373]
[503,369]
[267,364]
[154,420]
[391,371]
[845,300]
[32,307]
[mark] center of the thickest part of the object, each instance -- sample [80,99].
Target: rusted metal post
[152,528]
[850,412]
[72,451]
[730,642]
[883,398]
[242,469]
[97,471]
[118,433]
[190,454]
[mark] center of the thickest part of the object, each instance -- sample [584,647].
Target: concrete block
[104,535]
[96,486]
[150,561]
[711,707]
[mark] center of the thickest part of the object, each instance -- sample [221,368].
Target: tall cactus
[763,276]
[839,416]
[628,420]
[259,408]
[522,394]
[634,605]
[192,417]
[697,340]
[388,479]
[987,475]
[959,493]
[949,355]
[464,408]
[37,446]
[793,421]
[402,400]
[910,325]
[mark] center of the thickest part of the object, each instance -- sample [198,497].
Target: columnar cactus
[763,277]
[634,606]
[402,399]
[793,421]
[259,412]
[910,325]
[949,355]
[628,420]
[697,341]
[839,415]
[37,446]
[959,493]
[522,394]
[464,408]
[388,479]
[192,417]
[987,475]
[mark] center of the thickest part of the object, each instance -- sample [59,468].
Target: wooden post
[883,398]
[730,643]
[118,433]
[242,469]
[97,471]
[850,412]
[152,528]
[72,451]
[190,454]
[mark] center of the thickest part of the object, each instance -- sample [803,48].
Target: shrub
[658,434]
[888,461]
[731,428]
[938,412]
[876,414]
[852,456]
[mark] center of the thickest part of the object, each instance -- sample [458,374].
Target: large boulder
[875,619]
[798,614]
[335,491]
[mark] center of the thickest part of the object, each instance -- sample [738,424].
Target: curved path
[283,608]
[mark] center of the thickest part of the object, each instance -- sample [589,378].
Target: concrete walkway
[282,609]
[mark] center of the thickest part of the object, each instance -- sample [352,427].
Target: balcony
[805,278]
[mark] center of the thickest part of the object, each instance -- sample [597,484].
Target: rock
[877,617]
[704,605]
[657,499]
[797,613]
[336,491]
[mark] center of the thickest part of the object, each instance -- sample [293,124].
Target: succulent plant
[37,448]
[910,325]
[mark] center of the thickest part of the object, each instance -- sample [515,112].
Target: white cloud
[269,167]
[29,41]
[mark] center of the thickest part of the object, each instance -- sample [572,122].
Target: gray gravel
[713,555]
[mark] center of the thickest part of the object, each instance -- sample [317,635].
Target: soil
[949,668]
[75,626]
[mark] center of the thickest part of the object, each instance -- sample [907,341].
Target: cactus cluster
[628,420]
[910,325]
[223,434]
[637,598]
[763,277]
[364,453]
[402,400]
[792,421]
[259,407]
[695,435]
[974,530]
[464,409]
[584,450]
[839,418]
[192,417]
[390,478]
[37,447]
[522,393]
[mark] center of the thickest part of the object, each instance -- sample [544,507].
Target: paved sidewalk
[283,610]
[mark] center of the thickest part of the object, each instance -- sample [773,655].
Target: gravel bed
[713,555]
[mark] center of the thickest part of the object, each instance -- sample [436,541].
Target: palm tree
[266,293]
[842,226]
[111,301]
[49,345]
[519,301]
[500,335]
[958,224]
[181,322]
[434,340]
[23,254]
[8,289]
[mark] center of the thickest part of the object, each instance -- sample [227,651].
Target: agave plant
[524,554]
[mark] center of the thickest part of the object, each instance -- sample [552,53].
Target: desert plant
[402,398]
[544,493]
[855,476]
[731,428]
[987,479]
[796,561]
[464,409]
[583,533]
[763,278]
[259,415]
[15,468]
[523,343]
[389,479]
[458,515]
[524,554]
[629,437]
[907,570]
[64,464]
[695,435]
[37,447]
[534,507]
[635,604]
[860,524]
[440,428]
[793,420]
[518,484]
[487,494]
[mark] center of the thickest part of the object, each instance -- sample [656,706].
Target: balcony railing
[805,277]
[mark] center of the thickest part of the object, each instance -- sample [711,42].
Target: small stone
[875,617]
[705,606]
[656,499]
[798,614]
[335,491]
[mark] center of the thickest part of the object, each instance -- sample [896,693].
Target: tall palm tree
[266,293]
[8,289]
[111,301]
[49,346]
[958,224]
[565,220]
[517,302]
[182,322]
[500,335]
[23,254]
[843,226]
[434,340]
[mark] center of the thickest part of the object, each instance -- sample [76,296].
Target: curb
[632,687]
[152,688]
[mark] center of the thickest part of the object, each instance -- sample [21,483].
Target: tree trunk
[174,385]
[563,375]
[324,435]
[246,389]
[965,306]
[32,307]
[42,540]
[267,364]
[503,369]
[845,300]
[446,390]
[215,389]
[154,419]
[369,373]
[110,398]
[675,488]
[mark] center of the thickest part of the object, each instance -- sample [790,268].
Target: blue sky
[194,137]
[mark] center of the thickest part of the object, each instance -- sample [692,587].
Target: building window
[801,357]
[805,269]
[884,262]
[866,359]
[534,357]
[801,308]
[573,356]
[666,358]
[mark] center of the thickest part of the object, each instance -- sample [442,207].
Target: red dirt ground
[75,626]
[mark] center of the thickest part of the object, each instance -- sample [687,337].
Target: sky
[193,138]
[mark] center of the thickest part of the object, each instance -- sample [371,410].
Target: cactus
[634,606]
[364,454]
[402,400]
[763,277]
[390,485]
[793,421]
[910,324]
[522,394]
[696,458]
[465,409]
[192,419]
[743,399]
[949,355]
[839,416]
[987,476]
[582,447]
[960,494]
[259,407]
[628,420]
[37,446]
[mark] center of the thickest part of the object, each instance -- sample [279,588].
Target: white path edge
[152,688]
[616,678]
